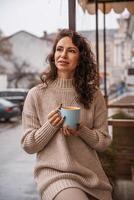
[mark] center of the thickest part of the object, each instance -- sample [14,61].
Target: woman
[67,165]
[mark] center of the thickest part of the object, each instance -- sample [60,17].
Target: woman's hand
[55,119]
[69,131]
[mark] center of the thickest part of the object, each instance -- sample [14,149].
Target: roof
[117,5]
[21,32]
[46,37]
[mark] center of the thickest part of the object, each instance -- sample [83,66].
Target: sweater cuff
[45,133]
[88,135]
[35,140]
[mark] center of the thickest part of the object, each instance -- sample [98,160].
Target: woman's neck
[62,83]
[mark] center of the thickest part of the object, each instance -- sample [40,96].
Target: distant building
[130,40]
[110,35]
[29,49]
[129,75]
[29,53]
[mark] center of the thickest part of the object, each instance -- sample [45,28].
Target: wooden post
[97,34]
[132,170]
[72,14]
[97,38]
[105,67]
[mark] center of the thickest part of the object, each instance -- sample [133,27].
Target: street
[16,166]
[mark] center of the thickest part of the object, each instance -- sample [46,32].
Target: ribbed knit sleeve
[35,137]
[98,137]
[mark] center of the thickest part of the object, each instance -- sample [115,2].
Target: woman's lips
[63,62]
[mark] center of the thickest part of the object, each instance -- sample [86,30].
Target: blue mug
[71,115]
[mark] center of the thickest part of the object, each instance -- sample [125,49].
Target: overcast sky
[36,16]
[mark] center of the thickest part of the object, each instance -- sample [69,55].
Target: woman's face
[66,56]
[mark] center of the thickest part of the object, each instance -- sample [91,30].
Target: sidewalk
[16,167]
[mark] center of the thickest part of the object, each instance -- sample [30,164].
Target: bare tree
[22,72]
[5,47]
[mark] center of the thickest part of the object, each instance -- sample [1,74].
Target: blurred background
[27,31]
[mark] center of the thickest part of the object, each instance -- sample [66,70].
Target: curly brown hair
[86,74]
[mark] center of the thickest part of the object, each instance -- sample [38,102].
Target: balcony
[118,160]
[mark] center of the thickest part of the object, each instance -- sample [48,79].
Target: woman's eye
[58,49]
[72,51]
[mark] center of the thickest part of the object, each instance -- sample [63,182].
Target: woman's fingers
[55,118]
[52,113]
[68,131]
[58,121]
[73,131]
[65,131]
[61,121]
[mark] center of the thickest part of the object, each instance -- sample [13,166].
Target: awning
[118,6]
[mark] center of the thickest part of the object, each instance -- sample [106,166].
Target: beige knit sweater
[66,161]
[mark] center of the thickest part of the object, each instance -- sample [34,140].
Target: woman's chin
[62,69]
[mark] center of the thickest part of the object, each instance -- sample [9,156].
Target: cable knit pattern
[66,161]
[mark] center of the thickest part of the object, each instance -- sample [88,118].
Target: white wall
[3,81]
[31,49]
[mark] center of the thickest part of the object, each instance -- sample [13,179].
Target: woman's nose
[64,53]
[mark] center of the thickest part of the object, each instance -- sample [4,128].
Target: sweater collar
[62,83]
